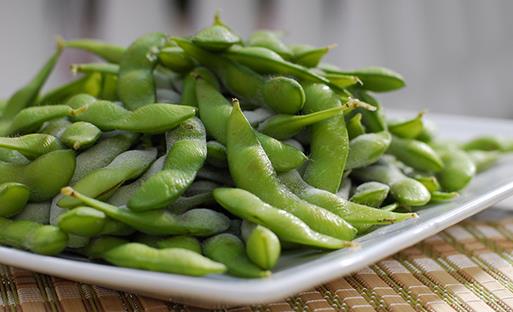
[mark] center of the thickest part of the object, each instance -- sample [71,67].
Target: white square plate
[300,270]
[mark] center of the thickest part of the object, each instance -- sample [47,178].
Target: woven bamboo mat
[468,267]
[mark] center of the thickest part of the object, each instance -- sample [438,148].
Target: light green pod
[366,149]
[251,170]
[405,190]
[12,156]
[483,160]
[458,170]
[341,80]
[488,143]
[32,118]
[355,128]
[189,85]
[31,145]
[32,236]
[288,227]
[283,126]
[374,121]
[217,37]
[408,129]
[283,95]
[169,260]
[174,58]
[136,85]
[216,154]
[377,79]
[187,151]
[229,250]
[270,40]
[44,176]
[80,135]
[82,221]
[103,182]
[415,154]
[13,198]
[196,222]
[109,52]
[262,245]
[55,127]
[371,194]
[307,55]
[329,144]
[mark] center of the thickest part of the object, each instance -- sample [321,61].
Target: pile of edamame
[212,154]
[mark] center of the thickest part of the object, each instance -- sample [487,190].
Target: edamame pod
[283,126]
[329,144]
[103,182]
[405,190]
[488,143]
[38,238]
[483,160]
[44,176]
[354,129]
[109,52]
[187,151]
[367,148]
[80,135]
[262,245]
[12,156]
[415,154]
[229,250]
[408,129]
[88,222]
[283,95]
[214,111]
[458,170]
[307,55]
[196,222]
[270,40]
[351,212]
[371,194]
[288,227]
[32,118]
[189,85]
[217,37]
[13,198]
[175,59]
[136,86]
[251,170]
[55,127]
[31,145]
[151,119]
[374,121]
[377,79]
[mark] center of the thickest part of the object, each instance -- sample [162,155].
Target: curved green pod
[367,148]
[109,52]
[262,245]
[31,145]
[13,198]
[44,176]
[416,154]
[408,129]
[458,171]
[371,194]
[377,79]
[307,55]
[270,40]
[217,37]
[32,118]
[80,135]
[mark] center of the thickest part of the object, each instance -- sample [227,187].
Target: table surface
[468,267]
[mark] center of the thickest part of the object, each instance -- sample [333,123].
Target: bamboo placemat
[468,267]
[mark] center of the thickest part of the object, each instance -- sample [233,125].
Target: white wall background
[457,55]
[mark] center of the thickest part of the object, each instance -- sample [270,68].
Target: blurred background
[456,55]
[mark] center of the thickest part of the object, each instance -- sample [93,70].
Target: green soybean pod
[341,80]
[374,121]
[377,79]
[405,190]
[176,59]
[187,151]
[483,160]
[32,118]
[283,95]
[13,198]
[109,52]
[44,176]
[12,156]
[270,40]
[136,86]
[307,55]
[196,222]
[288,227]
[351,212]
[367,148]
[408,129]
[283,126]
[214,111]
[82,221]
[89,84]
[458,170]
[329,144]
[81,135]
[262,245]
[27,95]
[216,154]
[252,170]
[486,143]
[169,260]
[31,145]
[217,37]
[229,250]
[55,127]
[32,236]
[189,85]
[103,182]
[371,194]
[416,154]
